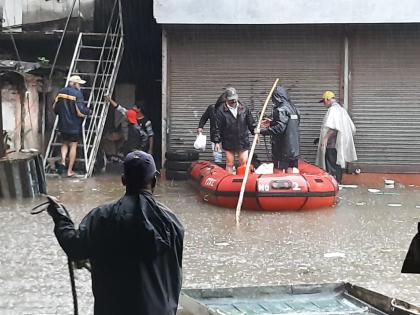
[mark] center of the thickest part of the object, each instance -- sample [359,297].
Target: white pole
[251,153]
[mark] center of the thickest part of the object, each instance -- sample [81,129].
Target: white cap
[77,79]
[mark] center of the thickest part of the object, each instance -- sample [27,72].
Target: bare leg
[72,158]
[243,157]
[64,150]
[230,159]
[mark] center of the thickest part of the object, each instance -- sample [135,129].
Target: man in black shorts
[71,109]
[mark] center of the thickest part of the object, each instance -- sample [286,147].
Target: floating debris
[222,244]
[348,186]
[389,183]
[334,255]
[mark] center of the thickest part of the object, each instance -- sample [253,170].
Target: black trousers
[331,164]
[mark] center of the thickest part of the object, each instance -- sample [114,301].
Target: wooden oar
[251,153]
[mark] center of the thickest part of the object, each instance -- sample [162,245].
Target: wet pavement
[363,240]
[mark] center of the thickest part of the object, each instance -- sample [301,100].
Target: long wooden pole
[251,153]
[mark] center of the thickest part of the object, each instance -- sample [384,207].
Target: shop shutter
[385,81]
[203,59]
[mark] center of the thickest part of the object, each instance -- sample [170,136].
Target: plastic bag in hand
[200,142]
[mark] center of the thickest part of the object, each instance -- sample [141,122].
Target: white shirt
[233,110]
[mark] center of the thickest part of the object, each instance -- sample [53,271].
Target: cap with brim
[77,79]
[232,97]
[327,96]
[139,167]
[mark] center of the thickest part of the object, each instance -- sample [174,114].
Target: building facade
[365,51]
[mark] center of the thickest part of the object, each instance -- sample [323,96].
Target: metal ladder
[96,58]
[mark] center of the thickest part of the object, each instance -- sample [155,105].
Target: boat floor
[337,299]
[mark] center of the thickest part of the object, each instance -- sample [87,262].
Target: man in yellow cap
[336,145]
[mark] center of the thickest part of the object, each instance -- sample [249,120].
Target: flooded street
[363,240]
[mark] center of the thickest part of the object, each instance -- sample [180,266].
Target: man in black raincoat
[283,127]
[134,246]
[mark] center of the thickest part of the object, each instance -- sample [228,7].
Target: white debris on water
[334,255]
[348,186]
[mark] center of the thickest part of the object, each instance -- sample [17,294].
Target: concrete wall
[285,11]
[15,121]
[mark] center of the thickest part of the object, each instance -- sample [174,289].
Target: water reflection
[362,240]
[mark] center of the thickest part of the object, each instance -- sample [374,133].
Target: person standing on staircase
[140,132]
[71,109]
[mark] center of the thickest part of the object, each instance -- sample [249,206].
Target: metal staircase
[96,58]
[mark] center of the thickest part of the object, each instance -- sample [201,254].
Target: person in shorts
[71,109]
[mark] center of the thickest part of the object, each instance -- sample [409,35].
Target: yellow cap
[327,96]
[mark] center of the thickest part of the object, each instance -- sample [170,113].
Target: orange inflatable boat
[311,188]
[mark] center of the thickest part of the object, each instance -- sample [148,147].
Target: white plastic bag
[200,142]
[265,168]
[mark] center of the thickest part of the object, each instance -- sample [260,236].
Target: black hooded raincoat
[284,127]
[135,249]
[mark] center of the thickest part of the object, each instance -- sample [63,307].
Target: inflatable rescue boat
[311,188]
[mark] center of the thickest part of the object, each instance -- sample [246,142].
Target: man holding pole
[234,122]
[283,127]
[254,143]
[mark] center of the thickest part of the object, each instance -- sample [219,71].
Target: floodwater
[363,240]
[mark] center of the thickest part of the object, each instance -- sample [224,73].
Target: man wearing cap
[71,109]
[134,246]
[336,145]
[140,132]
[210,114]
[234,122]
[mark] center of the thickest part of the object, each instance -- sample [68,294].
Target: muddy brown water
[363,240]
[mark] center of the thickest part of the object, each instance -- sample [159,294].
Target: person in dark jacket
[71,109]
[140,132]
[134,246]
[234,122]
[283,127]
[210,114]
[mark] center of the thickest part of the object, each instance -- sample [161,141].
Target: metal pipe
[2,148]
[164,91]
[346,73]
[61,41]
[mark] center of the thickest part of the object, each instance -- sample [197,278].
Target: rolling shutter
[386,97]
[203,59]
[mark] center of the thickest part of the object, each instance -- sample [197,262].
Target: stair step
[94,60]
[100,34]
[92,74]
[90,88]
[56,144]
[96,47]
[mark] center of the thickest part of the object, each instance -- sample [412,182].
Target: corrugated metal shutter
[386,97]
[203,59]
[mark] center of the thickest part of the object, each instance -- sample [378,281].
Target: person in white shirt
[336,145]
